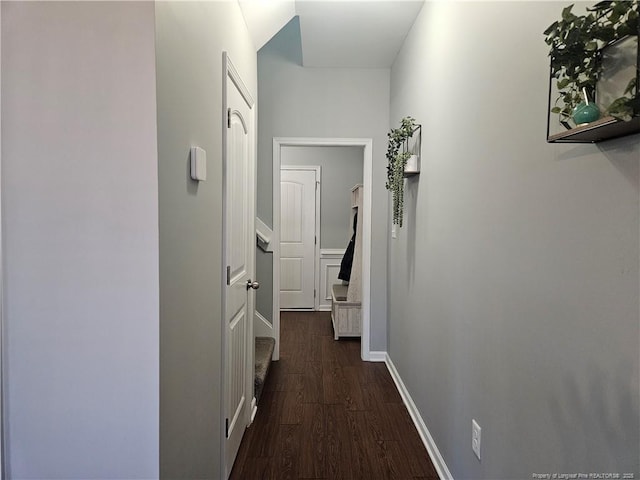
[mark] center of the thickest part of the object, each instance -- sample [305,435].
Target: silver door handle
[254,285]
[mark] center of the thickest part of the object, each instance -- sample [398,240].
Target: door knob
[254,285]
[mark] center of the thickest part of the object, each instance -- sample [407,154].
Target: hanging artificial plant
[397,156]
[576,43]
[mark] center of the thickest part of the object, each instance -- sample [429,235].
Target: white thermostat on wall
[198,164]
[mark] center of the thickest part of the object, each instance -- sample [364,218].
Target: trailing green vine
[397,156]
[576,43]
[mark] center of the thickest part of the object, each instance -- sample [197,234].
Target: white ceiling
[357,34]
[337,33]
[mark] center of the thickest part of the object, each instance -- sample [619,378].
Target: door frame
[2,329]
[229,73]
[367,174]
[316,246]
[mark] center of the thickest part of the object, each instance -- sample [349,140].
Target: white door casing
[239,258]
[299,232]
[367,174]
[2,467]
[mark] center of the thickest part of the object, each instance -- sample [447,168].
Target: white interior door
[297,237]
[239,168]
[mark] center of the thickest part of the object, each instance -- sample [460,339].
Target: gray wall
[325,102]
[514,282]
[341,169]
[80,202]
[190,39]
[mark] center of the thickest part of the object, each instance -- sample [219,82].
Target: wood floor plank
[416,453]
[385,457]
[255,468]
[314,349]
[263,442]
[333,383]
[353,393]
[397,462]
[276,371]
[343,353]
[329,350]
[325,414]
[320,324]
[386,384]
[361,464]
[352,351]
[374,426]
[292,408]
[339,457]
[312,391]
[295,357]
[313,455]
[367,372]
[292,382]
[385,426]
[284,464]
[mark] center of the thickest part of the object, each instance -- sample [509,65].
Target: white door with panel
[239,172]
[298,237]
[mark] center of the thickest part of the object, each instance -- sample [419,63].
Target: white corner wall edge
[375,356]
[2,466]
[423,431]
[265,19]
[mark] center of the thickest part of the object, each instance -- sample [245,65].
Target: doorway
[366,145]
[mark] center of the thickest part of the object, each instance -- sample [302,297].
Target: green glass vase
[585,113]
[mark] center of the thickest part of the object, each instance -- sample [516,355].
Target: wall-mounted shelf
[620,63]
[602,129]
[412,167]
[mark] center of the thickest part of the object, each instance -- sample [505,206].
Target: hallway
[326,414]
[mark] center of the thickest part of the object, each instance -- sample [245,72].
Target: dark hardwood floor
[326,414]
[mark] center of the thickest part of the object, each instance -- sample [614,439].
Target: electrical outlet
[475,438]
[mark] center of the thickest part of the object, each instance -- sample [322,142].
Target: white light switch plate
[198,164]
[476,433]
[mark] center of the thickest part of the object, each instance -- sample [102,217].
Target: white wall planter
[413,166]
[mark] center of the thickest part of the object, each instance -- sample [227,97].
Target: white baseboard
[377,356]
[423,431]
[261,326]
[254,409]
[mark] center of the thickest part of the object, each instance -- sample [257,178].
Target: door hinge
[226,428]
[315,240]
[314,293]
[228,118]
[228,275]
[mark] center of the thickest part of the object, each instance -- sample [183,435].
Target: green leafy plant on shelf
[576,43]
[397,156]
